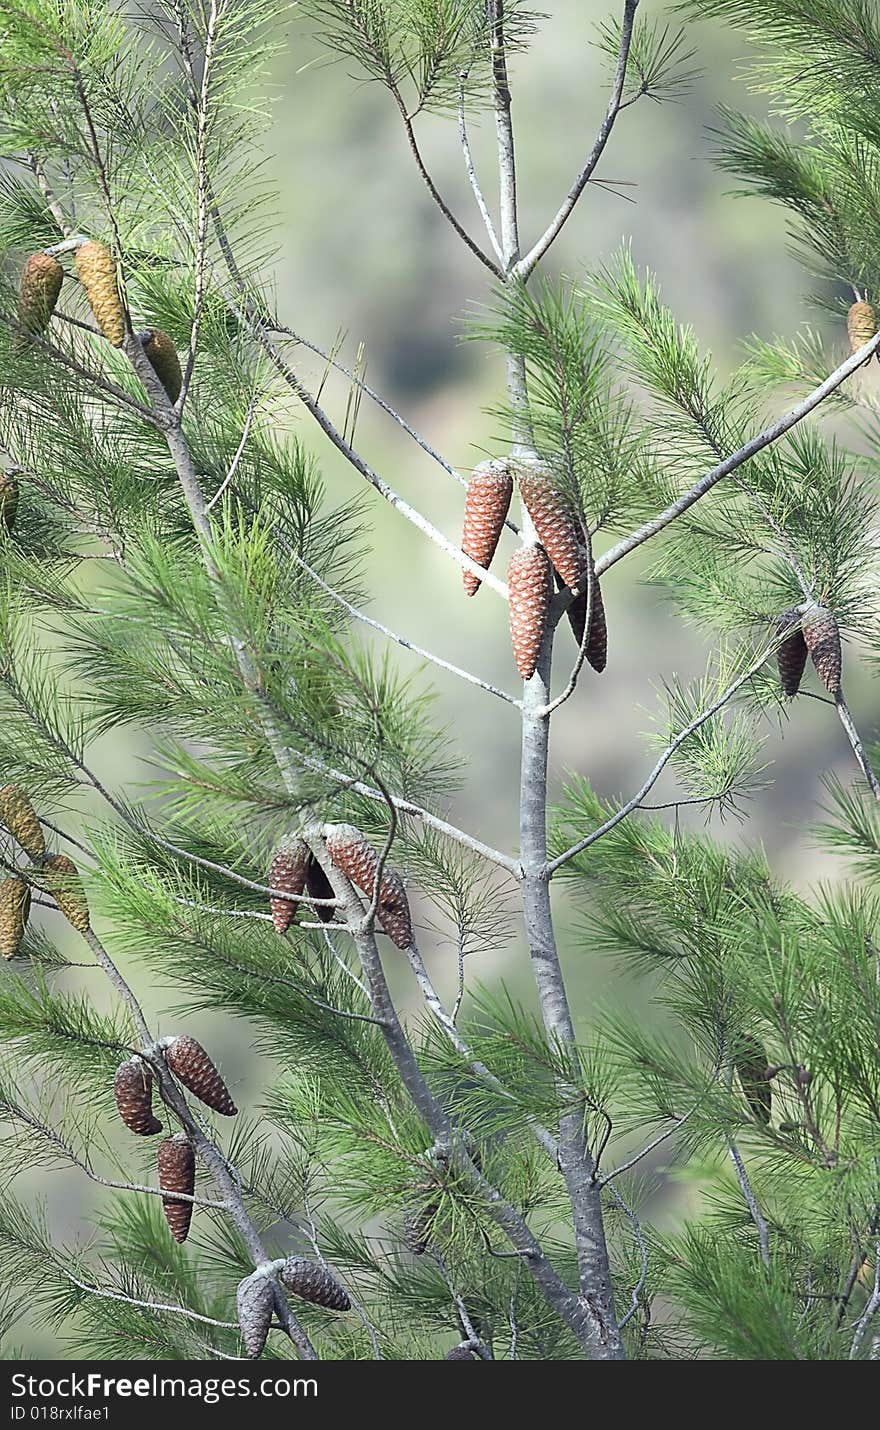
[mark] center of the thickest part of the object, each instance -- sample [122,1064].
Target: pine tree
[479,1178]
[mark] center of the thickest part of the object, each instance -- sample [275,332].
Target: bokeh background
[360,251]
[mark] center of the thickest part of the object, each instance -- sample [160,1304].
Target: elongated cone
[462,1352]
[17,813]
[133,1090]
[750,1060]
[96,268]
[530,582]
[861,324]
[287,872]
[356,858]
[791,657]
[40,285]
[313,1282]
[319,886]
[417,1228]
[63,882]
[177,1173]
[255,1300]
[190,1063]
[485,511]
[15,905]
[556,528]
[822,636]
[163,359]
[597,645]
[9,494]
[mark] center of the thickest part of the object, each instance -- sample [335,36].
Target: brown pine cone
[319,887]
[551,513]
[529,580]
[861,324]
[191,1065]
[177,1173]
[17,813]
[755,1072]
[822,637]
[63,883]
[9,494]
[287,872]
[791,657]
[597,645]
[255,1300]
[417,1227]
[96,268]
[313,1282]
[485,512]
[462,1352]
[356,858]
[15,905]
[163,359]
[40,285]
[133,1090]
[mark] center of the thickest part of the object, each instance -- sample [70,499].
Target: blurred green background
[360,249]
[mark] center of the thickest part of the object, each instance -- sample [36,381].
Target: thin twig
[639,1287]
[233,465]
[148,1305]
[472,177]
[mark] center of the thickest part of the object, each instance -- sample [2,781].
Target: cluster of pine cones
[559,551]
[813,632]
[54,874]
[296,872]
[41,280]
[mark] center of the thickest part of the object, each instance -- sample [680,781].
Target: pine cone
[9,494]
[417,1227]
[63,883]
[96,268]
[177,1173]
[190,1063]
[791,657]
[861,324]
[358,861]
[557,530]
[750,1061]
[462,1352]
[15,905]
[529,580]
[319,887]
[313,1282]
[133,1090]
[485,512]
[163,359]
[287,872]
[17,813]
[255,1299]
[822,637]
[40,285]
[597,645]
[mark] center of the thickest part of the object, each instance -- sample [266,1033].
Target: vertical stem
[575,1162]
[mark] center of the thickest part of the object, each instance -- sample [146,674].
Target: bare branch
[472,177]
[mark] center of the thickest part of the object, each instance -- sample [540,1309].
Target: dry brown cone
[63,883]
[554,523]
[319,887]
[530,583]
[96,268]
[40,285]
[255,1300]
[791,657]
[417,1226]
[163,359]
[822,636]
[17,813]
[597,644]
[15,905]
[357,860]
[133,1090]
[9,494]
[485,511]
[177,1173]
[861,324]
[462,1352]
[287,872]
[190,1063]
[313,1282]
